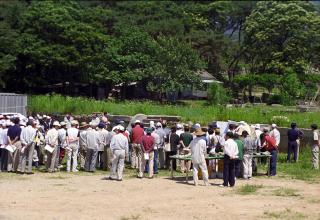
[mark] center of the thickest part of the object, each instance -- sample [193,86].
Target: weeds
[285,214]
[286,192]
[248,189]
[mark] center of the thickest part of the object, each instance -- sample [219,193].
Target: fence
[11,102]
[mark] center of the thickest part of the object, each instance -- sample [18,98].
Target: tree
[280,35]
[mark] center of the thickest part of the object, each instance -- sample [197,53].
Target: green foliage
[248,189]
[217,94]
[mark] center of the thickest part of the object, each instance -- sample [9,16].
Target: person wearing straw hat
[82,143]
[93,142]
[52,140]
[198,147]
[120,149]
[72,138]
[62,133]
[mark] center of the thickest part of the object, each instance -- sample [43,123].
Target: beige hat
[83,124]
[74,122]
[63,123]
[199,132]
[56,123]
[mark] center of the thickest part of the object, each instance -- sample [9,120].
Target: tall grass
[189,111]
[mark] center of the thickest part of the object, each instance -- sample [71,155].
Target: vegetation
[283,191]
[189,111]
[248,189]
[285,214]
[160,45]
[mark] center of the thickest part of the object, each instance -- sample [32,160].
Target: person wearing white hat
[120,149]
[67,119]
[72,149]
[275,134]
[93,142]
[27,138]
[3,142]
[179,129]
[52,140]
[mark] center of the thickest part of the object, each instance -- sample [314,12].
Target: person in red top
[147,147]
[269,143]
[136,154]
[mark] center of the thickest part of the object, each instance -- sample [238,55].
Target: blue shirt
[14,131]
[293,134]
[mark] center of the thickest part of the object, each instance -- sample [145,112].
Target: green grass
[248,189]
[195,111]
[286,192]
[302,170]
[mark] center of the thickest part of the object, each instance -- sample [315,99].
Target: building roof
[206,77]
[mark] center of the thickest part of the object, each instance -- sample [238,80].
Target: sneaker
[75,170]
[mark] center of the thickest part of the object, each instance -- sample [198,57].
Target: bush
[217,94]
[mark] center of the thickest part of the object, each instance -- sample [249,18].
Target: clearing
[88,196]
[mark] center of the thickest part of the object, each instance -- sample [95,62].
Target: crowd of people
[102,144]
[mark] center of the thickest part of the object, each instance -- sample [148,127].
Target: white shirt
[198,148]
[316,137]
[231,148]
[83,138]
[103,135]
[119,142]
[258,141]
[179,131]
[27,135]
[52,137]
[157,140]
[62,136]
[93,140]
[73,136]
[276,135]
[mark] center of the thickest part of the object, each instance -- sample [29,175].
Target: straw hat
[83,124]
[56,123]
[62,123]
[199,132]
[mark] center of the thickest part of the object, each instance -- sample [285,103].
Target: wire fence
[11,102]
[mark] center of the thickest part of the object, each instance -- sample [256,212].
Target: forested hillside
[160,44]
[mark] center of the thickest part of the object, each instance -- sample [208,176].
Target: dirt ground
[87,196]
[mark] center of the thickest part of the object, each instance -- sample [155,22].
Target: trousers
[273,162]
[228,171]
[315,157]
[292,148]
[143,165]
[204,170]
[91,158]
[173,161]
[117,164]
[136,156]
[27,155]
[51,159]
[162,157]
[247,166]
[237,167]
[14,158]
[82,155]
[72,154]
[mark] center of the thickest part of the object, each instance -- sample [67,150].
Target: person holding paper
[120,149]
[27,138]
[147,147]
[52,146]
[14,141]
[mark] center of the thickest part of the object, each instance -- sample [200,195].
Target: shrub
[217,94]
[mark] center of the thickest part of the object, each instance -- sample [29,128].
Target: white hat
[30,118]
[257,126]
[179,126]
[115,128]
[273,125]
[121,128]
[2,122]
[74,122]
[48,117]
[22,123]
[137,121]
[159,124]
[197,125]
[62,123]
[242,122]
[44,116]
[56,123]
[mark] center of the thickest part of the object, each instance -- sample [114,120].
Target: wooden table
[214,157]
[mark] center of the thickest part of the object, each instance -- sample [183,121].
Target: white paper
[3,146]
[23,149]
[146,156]
[11,148]
[49,148]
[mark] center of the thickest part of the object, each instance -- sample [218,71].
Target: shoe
[139,177]
[119,180]
[150,177]
[75,171]
[29,173]
[110,178]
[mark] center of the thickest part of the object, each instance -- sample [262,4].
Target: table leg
[187,175]
[171,165]
[268,166]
